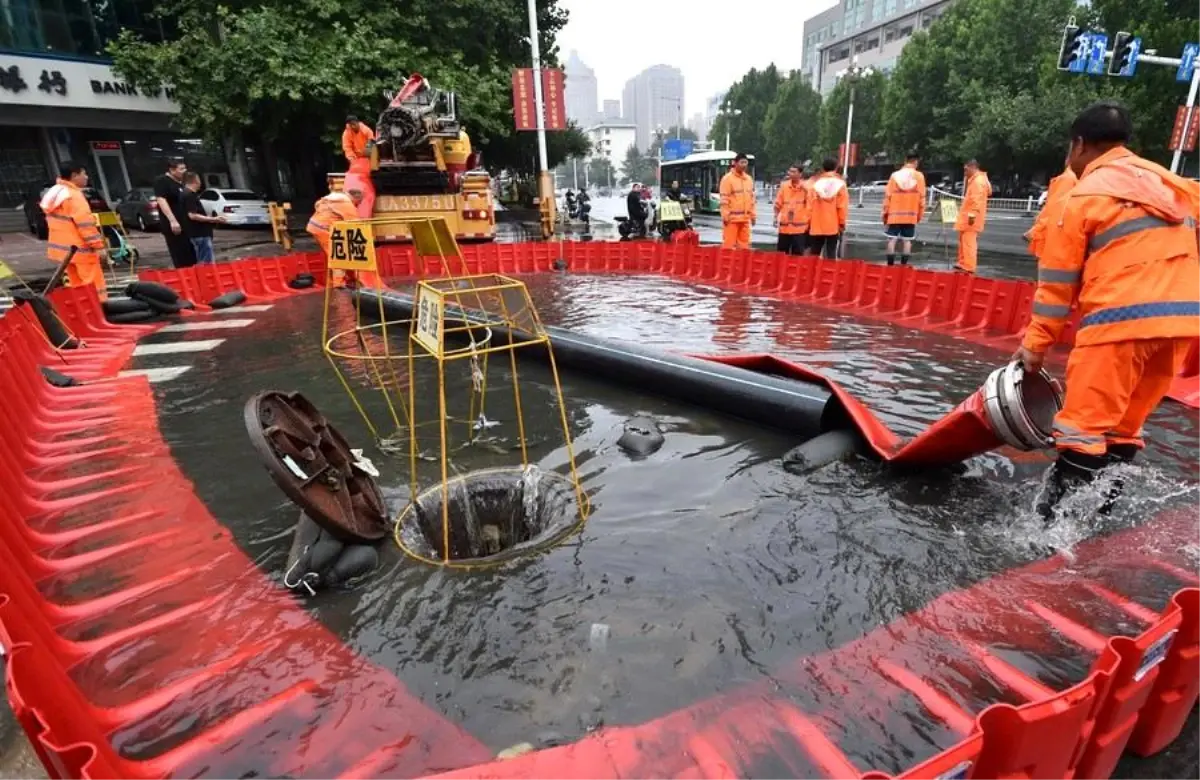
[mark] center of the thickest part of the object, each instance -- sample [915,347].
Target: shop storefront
[54,109]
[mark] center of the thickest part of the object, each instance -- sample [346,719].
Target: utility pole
[1189,118]
[853,73]
[545,187]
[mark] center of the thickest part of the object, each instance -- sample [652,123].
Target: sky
[620,38]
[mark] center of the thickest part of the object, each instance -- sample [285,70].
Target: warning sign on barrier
[428,327]
[949,208]
[352,246]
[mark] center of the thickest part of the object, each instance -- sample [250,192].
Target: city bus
[699,176]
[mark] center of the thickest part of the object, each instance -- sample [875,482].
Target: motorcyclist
[637,209]
[569,198]
[675,193]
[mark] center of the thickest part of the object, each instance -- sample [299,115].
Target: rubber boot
[891,259]
[1070,472]
[903,259]
[1117,455]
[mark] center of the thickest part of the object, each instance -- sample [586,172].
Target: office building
[696,125]
[653,101]
[874,31]
[611,111]
[60,100]
[611,140]
[581,93]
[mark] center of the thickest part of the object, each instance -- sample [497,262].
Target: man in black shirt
[168,193]
[197,224]
[636,209]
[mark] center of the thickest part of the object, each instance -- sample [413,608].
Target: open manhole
[310,461]
[494,515]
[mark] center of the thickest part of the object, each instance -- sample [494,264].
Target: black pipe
[785,404]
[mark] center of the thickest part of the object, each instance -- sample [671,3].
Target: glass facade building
[75,28]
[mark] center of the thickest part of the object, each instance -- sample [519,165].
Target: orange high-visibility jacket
[354,141]
[71,223]
[791,207]
[975,203]
[334,207]
[829,205]
[1056,200]
[1125,252]
[737,198]
[904,198]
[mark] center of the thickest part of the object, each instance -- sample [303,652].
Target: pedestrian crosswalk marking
[156,375]
[244,308]
[171,348]
[184,327]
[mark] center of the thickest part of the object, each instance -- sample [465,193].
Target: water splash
[469,520]
[531,479]
[1141,492]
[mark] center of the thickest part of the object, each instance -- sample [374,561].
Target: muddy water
[707,566]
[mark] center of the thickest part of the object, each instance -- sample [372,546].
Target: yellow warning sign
[352,246]
[428,328]
[949,208]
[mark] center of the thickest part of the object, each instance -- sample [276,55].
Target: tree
[671,132]
[867,132]
[638,167]
[751,97]
[279,69]
[792,121]
[601,172]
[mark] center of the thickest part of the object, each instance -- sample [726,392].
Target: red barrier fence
[143,643]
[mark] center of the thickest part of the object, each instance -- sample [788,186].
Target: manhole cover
[310,461]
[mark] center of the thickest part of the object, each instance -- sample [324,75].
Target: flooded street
[711,567]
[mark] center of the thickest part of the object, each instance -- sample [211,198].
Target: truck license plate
[419,203]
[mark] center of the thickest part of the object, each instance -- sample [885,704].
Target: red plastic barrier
[1175,692]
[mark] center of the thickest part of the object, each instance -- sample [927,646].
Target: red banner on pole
[553,83]
[523,104]
[841,157]
[1189,143]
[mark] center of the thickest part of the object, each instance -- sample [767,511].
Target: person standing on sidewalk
[197,225]
[71,223]
[791,213]
[829,208]
[1052,207]
[904,208]
[972,216]
[168,194]
[739,206]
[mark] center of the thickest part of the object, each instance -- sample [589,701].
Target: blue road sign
[1135,49]
[1097,46]
[1082,47]
[1188,64]
[676,148]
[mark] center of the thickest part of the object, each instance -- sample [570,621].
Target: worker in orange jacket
[972,216]
[71,223]
[356,139]
[1056,200]
[1124,253]
[339,207]
[739,207]
[904,207]
[791,213]
[828,209]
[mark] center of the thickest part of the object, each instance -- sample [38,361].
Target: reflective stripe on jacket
[1056,200]
[354,142]
[738,202]
[334,207]
[70,222]
[791,207]
[975,203]
[904,198]
[829,205]
[1125,253]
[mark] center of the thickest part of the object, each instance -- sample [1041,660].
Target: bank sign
[52,83]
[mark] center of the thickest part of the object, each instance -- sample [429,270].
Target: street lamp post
[727,113]
[853,73]
[546,194]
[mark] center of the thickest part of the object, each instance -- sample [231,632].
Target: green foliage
[791,124]
[602,173]
[638,167]
[292,67]
[752,96]
[669,133]
[868,107]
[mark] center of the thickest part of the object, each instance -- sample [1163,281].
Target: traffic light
[1073,49]
[1125,55]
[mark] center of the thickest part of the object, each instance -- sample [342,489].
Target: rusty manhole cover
[310,461]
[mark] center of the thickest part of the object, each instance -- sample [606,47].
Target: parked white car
[239,207]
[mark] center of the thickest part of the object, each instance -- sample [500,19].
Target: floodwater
[706,566]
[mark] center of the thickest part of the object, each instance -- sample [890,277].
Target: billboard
[523,105]
[553,99]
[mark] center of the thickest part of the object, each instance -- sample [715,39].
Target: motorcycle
[673,216]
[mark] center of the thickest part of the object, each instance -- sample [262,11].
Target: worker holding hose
[1124,252]
[358,140]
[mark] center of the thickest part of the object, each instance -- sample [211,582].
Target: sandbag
[46,315]
[354,561]
[131,317]
[124,306]
[822,450]
[318,559]
[161,307]
[231,298]
[302,282]
[642,437]
[58,380]
[151,291]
